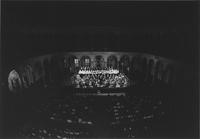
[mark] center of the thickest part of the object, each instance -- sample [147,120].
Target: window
[87,61]
[76,62]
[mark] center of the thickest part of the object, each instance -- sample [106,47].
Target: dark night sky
[30,29]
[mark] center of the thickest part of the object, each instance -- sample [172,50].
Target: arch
[151,65]
[151,72]
[85,61]
[23,75]
[168,74]
[46,63]
[24,79]
[124,64]
[144,64]
[61,64]
[26,75]
[99,61]
[54,64]
[29,70]
[134,62]
[61,60]
[38,67]
[71,63]
[125,60]
[71,59]
[46,66]
[112,61]
[159,67]
[55,68]
[14,81]
[65,61]
[38,70]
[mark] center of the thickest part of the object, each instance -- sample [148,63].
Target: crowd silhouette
[88,117]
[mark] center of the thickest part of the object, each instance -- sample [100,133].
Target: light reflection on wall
[14,81]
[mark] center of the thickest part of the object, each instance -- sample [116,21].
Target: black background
[166,29]
[35,28]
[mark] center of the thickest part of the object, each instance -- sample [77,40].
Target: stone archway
[38,71]
[159,70]
[85,61]
[124,63]
[47,75]
[112,62]
[72,63]
[38,68]
[168,74]
[14,81]
[151,71]
[143,65]
[99,62]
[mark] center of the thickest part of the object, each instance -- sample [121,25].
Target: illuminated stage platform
[112,71]
[101,94]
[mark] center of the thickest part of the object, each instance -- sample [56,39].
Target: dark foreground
[59,113]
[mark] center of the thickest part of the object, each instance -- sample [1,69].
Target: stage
[99,93]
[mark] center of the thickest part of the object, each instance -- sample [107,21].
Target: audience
[84,116]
